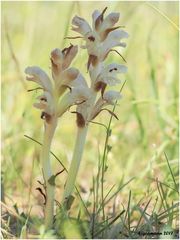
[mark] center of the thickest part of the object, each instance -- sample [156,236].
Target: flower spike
[102,37]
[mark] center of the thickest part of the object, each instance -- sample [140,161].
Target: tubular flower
[108,98]
[64,78]
[77,96]
[109,76]
[102,36]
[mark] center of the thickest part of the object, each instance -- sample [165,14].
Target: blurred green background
[148,112]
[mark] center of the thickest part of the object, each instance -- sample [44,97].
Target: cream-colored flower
[102,37]
[108,98]
[61,60]
[113,40]
[79,81]
[77,96]
[49,102]
[80,25]
[111,96]
[109,75]
[46,104]
[36,74]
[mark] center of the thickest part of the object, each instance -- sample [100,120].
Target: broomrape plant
[53,103]
[68,87]
[99,41]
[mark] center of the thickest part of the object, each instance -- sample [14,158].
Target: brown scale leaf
[100,86]
[107,31]
[99,20]
[46,117]
[80,119]
[41,192]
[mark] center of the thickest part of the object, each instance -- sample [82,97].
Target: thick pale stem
[77,155]
[47,172]
[80,142]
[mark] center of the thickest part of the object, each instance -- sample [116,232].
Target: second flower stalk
[99,41]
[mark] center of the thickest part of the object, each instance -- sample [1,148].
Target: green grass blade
[171,172]
[115,219]
[142,214]
[164,15]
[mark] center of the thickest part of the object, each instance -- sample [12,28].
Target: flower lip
[81,24]
[37,75]
[114,17]
[110,96]
[109,75]
[81,93]
[119,68]
[45,104]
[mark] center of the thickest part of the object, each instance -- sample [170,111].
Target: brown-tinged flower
[102,36]
[64,77]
